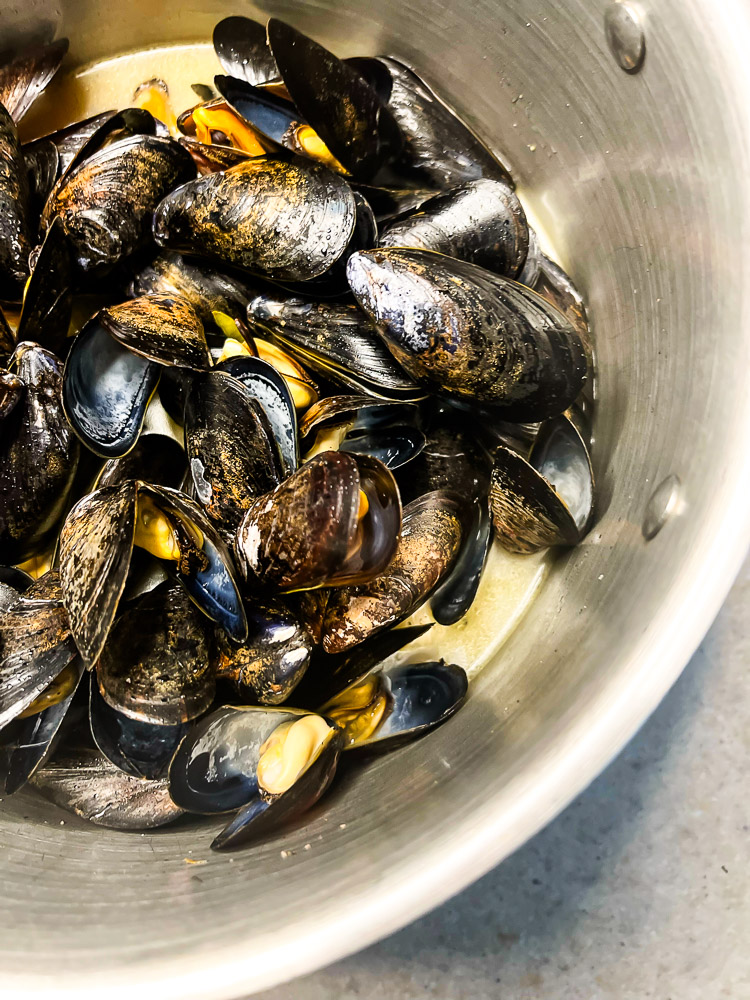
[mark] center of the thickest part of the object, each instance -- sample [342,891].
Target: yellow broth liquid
[509,582]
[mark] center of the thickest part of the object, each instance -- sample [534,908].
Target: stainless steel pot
[643,179]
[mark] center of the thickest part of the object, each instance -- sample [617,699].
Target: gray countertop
[638,890]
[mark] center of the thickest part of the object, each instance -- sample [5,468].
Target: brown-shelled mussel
[546,498]
[266,765]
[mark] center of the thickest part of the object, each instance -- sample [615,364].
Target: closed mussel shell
[429,545]
[231,448]
[481,221]
[272,661]
[336,100]
[38,456]
[471,334]
[334,339]
[242,49]
[48,298]
[438,147]
[106,391]
[284,219]
[143,749]
[156,663]
[26,76]
[15,229]
[28,740]
[107,201]
[36,645]
[162,328]
[82,781]
[547,499]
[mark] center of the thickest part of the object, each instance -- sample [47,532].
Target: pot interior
[641,181]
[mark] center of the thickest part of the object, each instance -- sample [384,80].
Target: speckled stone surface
[639,890]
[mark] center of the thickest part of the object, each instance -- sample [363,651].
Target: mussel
[96,545]
[271,764]
[335,521]
[429,546]
[106,202]
[26,76]
[470,334]
[284,219]
[38,455]
[48,299]
[242,49]
[15,229]
[547,499]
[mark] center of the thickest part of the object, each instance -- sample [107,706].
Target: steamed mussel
[275,370]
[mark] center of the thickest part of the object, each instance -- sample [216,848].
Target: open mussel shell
[207,289]
[438,147]
[272,117]
[15,228]
[156,663]
[48,298]
[106,391]
[162,328]
[142,749]
[336,100]
[96,544]
[231,448]
[106,202]
[288,219]
[481,221]
[82,781]
[242,49]
[470,334]
[336,340]
[110,129]
[430,542]
[268,387]
[272,661]
[156,458]
[28,740]
[547,499]
[24,78]
[70,139]
[315,530]
[384,429]
[38,456]
[397,704]
[36,645]
[456,594]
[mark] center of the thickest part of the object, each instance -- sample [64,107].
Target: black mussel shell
[96,544]
[84,782]
[36,645]
[481,221]
[206,289]
[13,581]
[38,456]
[242,49]
[15,229]
[156,458]
[106,391]
[334,339]
[142,749]
[471,334]
[106,202]
[375,72]
[48,298]
[287,219]
[162,328]
[27,742]
[452,459]
[23,79]
[456,594]
[413,698]
[272,393]
[547,499]
[430,542]
[336,100]
[554,285]
[70,139]
[389,204]
[113,128]
[156,663]
[42,165]
[269,665]
[438,147]
[308,532]
[230,446]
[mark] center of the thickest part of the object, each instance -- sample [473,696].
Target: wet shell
[23,79]
[162,328]
[284,219]
[242,50]
[48,298]
[15,231]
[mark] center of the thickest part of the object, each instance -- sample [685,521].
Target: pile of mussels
[282,366]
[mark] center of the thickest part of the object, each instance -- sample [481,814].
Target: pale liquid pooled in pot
[510,582]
